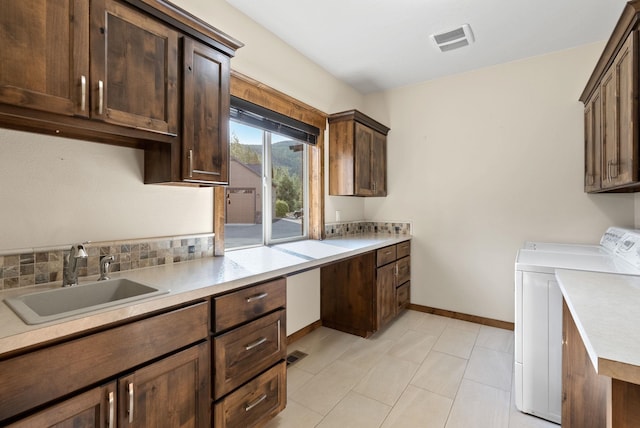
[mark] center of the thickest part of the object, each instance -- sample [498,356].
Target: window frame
[257,93]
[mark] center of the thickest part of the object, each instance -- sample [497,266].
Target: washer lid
[547,262]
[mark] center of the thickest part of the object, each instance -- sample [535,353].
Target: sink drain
[294,357]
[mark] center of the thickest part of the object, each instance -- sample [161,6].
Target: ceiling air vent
[454,39]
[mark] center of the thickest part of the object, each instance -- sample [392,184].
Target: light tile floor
[421,371]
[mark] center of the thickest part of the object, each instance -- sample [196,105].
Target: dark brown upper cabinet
[202,157]
[44,59]
[357,155]
[139,73]
[611,111]
[134,69]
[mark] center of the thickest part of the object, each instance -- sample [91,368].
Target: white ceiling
[379,44]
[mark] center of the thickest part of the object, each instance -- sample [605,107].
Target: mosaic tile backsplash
[39,266]
[351,228]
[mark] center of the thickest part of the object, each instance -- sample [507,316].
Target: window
[267,196]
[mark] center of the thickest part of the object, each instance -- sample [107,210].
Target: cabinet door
[625,167]
[205,139]
[364,141]
[584,392]
[386,294]
[45,55]
[619,108]
[593,143]
[379,164]
[94,408]
[134,67]
[173,392]
[347,295]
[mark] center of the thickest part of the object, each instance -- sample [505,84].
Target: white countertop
[606,310]
[189,281]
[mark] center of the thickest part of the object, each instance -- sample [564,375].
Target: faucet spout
[70,276]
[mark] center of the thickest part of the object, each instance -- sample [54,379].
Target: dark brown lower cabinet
[347,300]
[93,408]
[150,372]
[362,294]
[590,400]
[249,375]
[172,392]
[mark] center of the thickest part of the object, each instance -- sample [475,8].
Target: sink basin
[40,307]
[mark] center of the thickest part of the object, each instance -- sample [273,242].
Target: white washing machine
[608,243]
[538,318]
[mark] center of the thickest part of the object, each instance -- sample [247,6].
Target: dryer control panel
[629,248]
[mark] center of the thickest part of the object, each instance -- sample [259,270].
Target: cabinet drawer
[254,403]
[403,296]
[247,304]
[403,249]
[385,255]
[246,351]
[404,270]
[73,365]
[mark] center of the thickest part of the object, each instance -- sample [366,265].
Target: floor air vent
[294,357]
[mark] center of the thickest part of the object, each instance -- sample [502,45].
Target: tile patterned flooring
[421,371]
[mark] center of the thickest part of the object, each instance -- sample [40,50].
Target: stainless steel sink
[40,307]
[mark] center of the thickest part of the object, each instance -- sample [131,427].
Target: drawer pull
[257,297]
[250,406]
[255,344]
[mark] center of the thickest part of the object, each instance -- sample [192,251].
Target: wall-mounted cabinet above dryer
[611,111]
[357,155]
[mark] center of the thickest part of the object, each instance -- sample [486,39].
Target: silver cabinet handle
[255,344]
[131,402]
[100,96]
[83,93]
[190,163]
[250,406]
[111,410]
[257,297]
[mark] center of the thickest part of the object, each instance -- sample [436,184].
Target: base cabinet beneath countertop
[166,393]
[147,373]
[249,351]
[590,400]
[362,294]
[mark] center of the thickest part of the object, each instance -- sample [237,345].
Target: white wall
[482,161]
[56,191]
[303,300]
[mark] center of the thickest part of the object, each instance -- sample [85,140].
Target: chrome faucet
[70,276]
[105,262]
